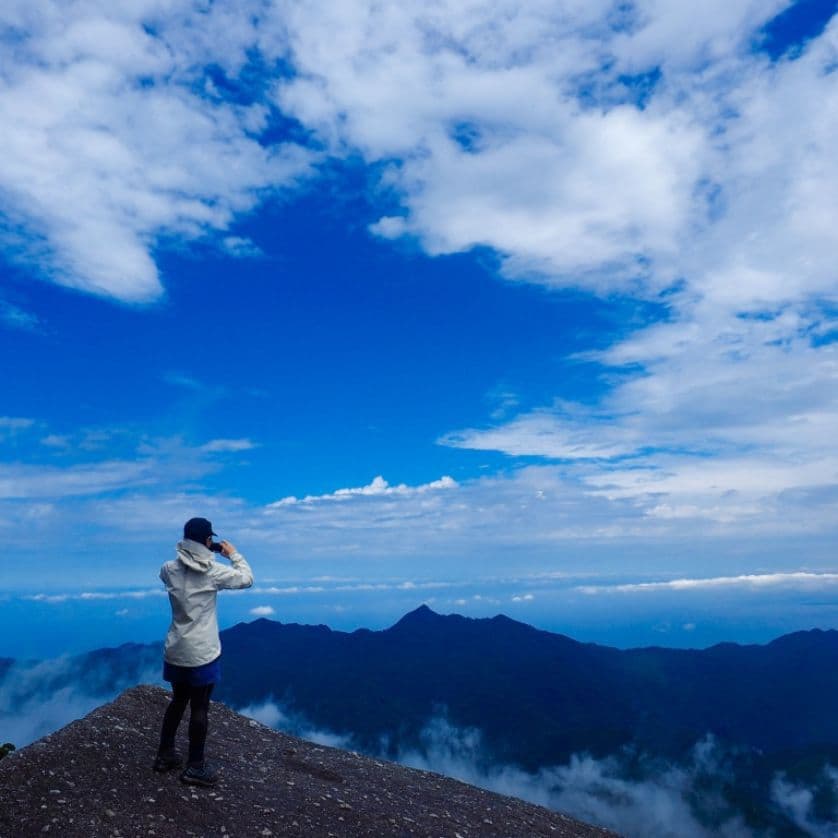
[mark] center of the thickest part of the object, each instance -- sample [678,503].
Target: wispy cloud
[95,596]
[754,581]
[187,382]
[219,446]
[33,482]
[10,425]
[18,318]
[56,441]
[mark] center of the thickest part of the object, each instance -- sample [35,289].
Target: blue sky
[518,308]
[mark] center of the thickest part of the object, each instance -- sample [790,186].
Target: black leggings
[198,698]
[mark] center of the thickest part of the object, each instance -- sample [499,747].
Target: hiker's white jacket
[193,580]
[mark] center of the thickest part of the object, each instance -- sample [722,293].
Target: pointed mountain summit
[94,777]
[419,617]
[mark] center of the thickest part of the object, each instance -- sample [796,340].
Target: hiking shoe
[199,775]
[167,760]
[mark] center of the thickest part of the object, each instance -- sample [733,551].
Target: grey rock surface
[94,778]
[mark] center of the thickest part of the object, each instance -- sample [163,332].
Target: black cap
[197,529]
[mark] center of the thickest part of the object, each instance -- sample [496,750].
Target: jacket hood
[193,554]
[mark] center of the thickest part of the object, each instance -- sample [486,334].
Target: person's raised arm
[238,575]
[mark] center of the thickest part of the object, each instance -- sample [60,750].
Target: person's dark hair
[197,529]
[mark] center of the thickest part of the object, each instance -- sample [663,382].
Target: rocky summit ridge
[94,778]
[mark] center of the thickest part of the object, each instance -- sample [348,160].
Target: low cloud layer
[594,790]
[37,698]
[272,714]
[632,794]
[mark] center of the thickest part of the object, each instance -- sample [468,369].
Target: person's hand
[227,548]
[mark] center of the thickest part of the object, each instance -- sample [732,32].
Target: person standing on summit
[192,653]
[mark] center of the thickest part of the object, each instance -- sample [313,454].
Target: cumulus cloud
[379,487]
[262,611]
[116,136]
[478,110]
[584,147]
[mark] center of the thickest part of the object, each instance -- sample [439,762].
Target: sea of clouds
[635,794]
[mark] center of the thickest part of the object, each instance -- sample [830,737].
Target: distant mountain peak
[422,612]
[423,615]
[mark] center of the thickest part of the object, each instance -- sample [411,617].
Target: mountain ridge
[494,673]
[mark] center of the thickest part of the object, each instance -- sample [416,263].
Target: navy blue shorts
[194,676]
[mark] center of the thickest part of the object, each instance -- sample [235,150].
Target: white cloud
[217,446]
[241,247]
[515,126]
[561,519]
[379,487]
[262,611]
[33,482]
[544,433]
[800,580]
[91,596]
[478,104]
[798,802]
[511,126]
[115,136]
